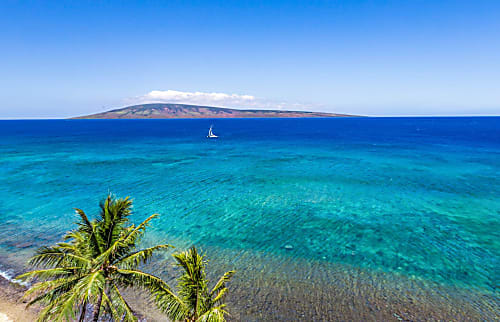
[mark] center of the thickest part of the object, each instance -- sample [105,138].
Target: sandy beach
[11,306]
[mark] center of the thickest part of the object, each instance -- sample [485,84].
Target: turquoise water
[410,198]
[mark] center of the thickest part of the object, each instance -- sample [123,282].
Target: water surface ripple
[347,218]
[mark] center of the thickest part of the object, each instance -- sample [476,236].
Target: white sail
[211,134]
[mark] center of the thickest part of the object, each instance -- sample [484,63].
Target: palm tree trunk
[195,315]
[82,314]
[97,308]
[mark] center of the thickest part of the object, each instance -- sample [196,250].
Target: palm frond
[132,277]
[108,305]
[54,256]
[88,228]
[50,273]
[221,284]
[170,304]
[141,256]
[166,300]
[192,283]
[219,296]
[46,292]
[200,303]
[126,241]
[215,314]
[114,214]
[46,312]
[91,286]
[123,310]
[63,308]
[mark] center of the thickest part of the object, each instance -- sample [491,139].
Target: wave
[8,275]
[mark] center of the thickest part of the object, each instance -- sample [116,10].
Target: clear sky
[66,58]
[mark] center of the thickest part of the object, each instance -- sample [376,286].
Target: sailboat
[211,135]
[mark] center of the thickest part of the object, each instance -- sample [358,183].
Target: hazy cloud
[213,99]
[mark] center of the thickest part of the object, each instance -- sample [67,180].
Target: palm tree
[195,302]
[91,265]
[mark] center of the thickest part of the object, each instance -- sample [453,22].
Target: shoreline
[11,306]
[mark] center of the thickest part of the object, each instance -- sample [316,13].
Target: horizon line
[208,118]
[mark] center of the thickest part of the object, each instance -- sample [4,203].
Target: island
[171,111]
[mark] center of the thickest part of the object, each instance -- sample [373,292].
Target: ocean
[323,219]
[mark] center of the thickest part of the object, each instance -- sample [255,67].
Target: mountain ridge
[169,111]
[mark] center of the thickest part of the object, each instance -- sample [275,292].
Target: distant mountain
[171,111]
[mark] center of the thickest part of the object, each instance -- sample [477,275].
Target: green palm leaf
[195,302]
[53,256]
[121,306]
[50,273]
[125,242]
[142,256]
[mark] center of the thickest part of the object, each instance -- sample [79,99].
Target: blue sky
[65,58]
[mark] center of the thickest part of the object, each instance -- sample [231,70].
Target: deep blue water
[413,197]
